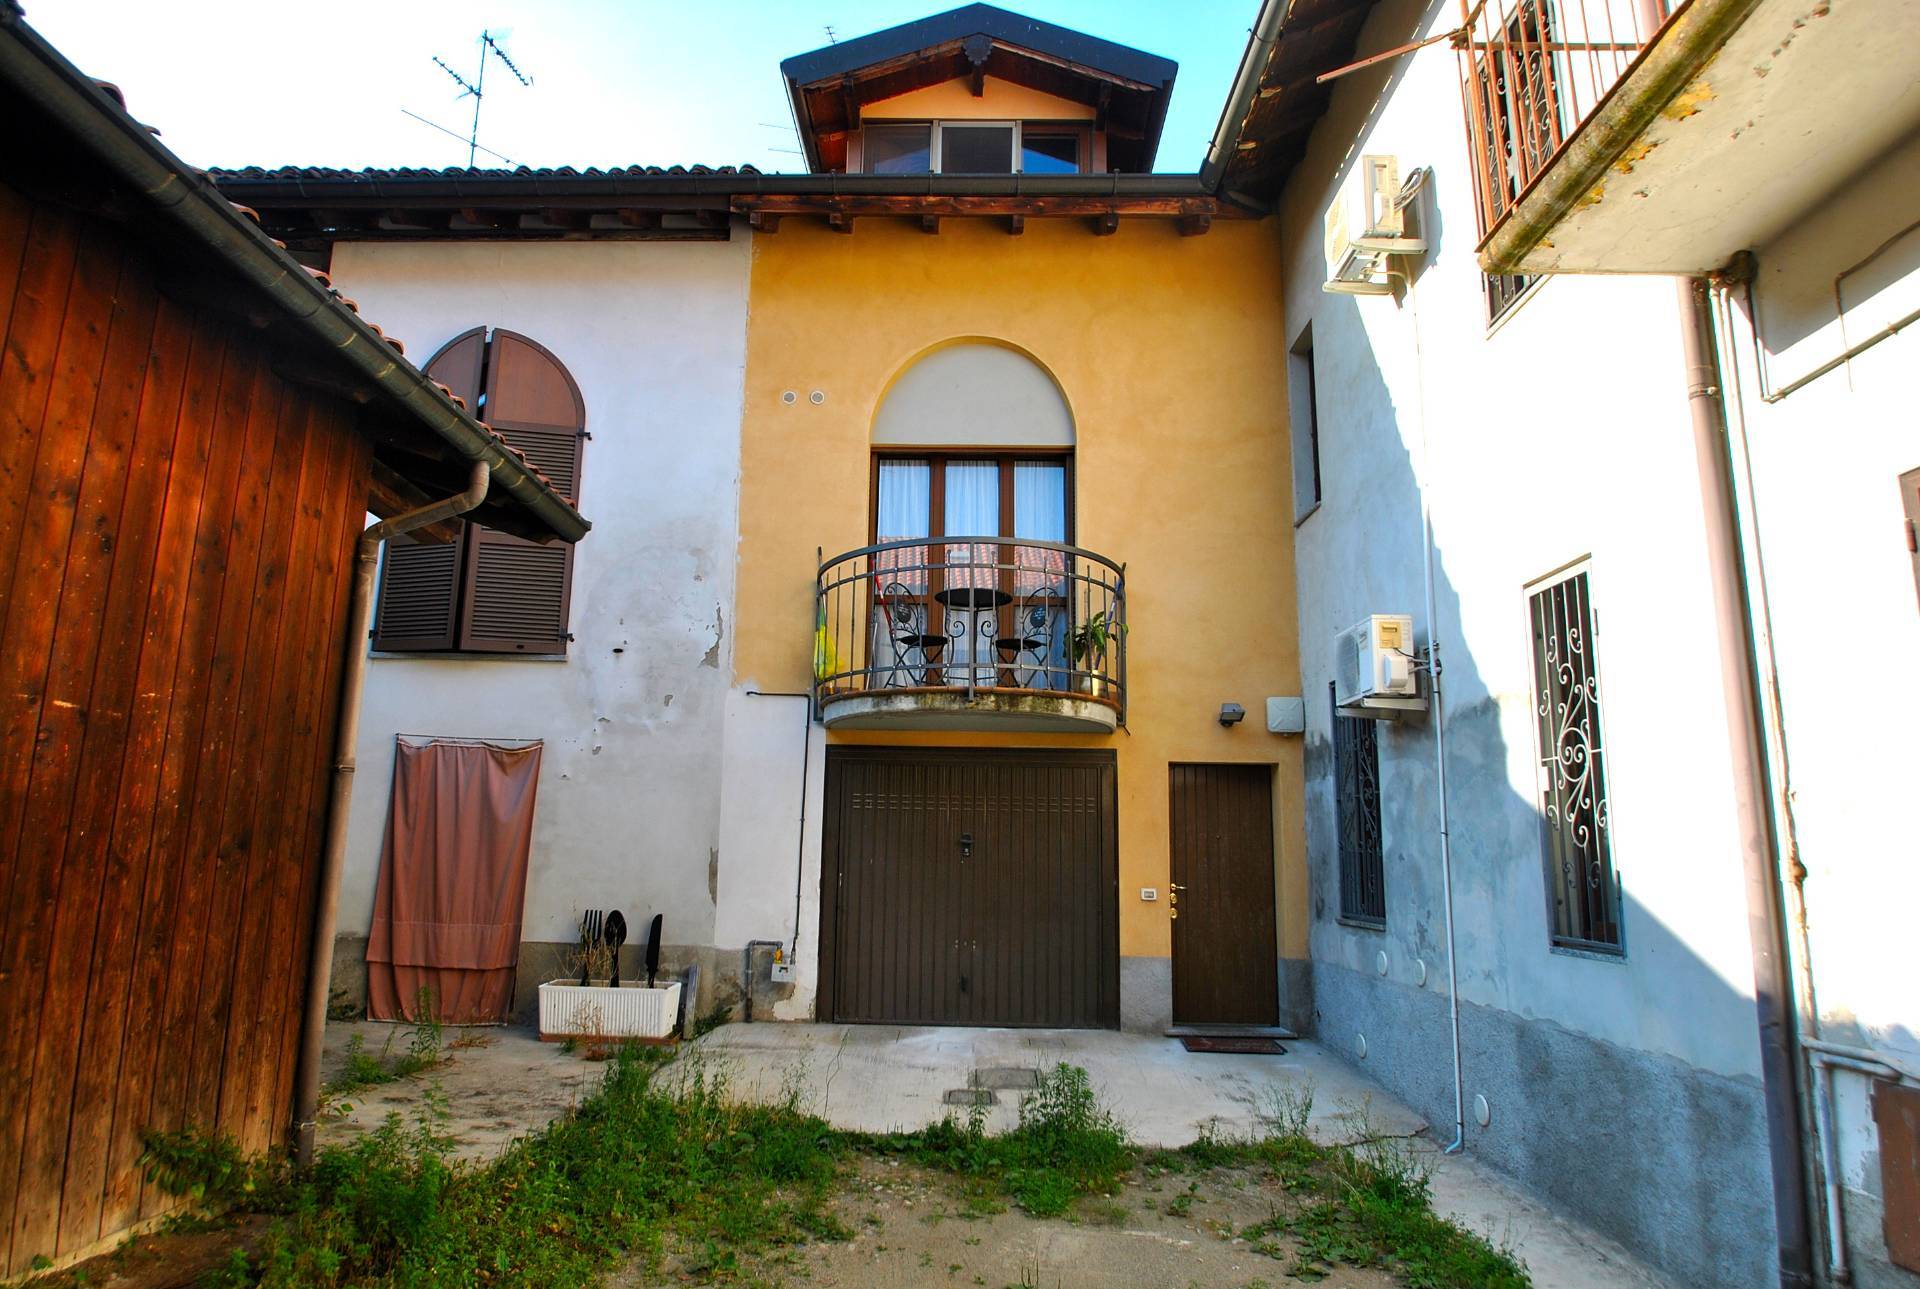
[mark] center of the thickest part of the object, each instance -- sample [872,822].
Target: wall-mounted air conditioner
[1366,224]
[1375,672]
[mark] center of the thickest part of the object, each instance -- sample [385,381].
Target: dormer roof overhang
[1128,88]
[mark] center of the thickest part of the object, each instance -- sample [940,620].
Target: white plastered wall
[1840,590]
[1560,433]
[628,811]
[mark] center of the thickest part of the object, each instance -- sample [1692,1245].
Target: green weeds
[664,1167]
[653,1164]
[1066,1145]
[365,1069]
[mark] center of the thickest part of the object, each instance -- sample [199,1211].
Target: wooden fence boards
[145,784]
[120,698]
[175,554]
[88,693]
[48,724]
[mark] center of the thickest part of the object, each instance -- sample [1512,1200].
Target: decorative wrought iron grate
[1583,890]
[971,614]
[1531,72]
[1356,780]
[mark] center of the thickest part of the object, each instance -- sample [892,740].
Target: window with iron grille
[1521,118]
[1504,291]
[1356,790]
[1583,891]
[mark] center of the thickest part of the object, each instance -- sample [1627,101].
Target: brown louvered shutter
[420,580]
[517,593]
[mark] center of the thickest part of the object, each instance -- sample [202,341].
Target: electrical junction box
[1286,716]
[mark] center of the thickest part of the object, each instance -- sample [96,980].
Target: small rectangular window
[897,149]
[1583,891]
[1045,153]
[976,149]
[1356,790]
[1303,398]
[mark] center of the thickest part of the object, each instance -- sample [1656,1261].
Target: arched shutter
[420,580]
[517,593]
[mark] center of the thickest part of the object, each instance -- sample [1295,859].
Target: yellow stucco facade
[1170,353]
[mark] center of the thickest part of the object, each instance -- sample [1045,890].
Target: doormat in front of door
[1246,1046]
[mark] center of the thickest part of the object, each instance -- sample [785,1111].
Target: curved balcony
[971,633]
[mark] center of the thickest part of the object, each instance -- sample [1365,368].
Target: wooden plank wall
[176,532]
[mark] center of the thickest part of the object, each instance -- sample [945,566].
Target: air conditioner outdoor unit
[1374,672]
[1366,224]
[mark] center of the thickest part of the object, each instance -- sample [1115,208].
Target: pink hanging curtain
[453,881]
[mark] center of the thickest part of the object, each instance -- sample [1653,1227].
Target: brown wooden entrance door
[1225,966]
[966,886]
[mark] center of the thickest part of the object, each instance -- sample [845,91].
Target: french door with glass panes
[991,608]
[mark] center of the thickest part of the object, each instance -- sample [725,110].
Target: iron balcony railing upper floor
[973,615]
[1531,72]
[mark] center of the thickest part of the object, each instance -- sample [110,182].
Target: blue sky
[233,82]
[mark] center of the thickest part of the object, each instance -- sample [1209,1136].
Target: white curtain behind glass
[972,509]
[903,510]
[1039,514]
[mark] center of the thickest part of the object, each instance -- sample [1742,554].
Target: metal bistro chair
[1029,649]
[903,617]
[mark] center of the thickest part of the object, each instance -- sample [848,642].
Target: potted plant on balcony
[1088,643]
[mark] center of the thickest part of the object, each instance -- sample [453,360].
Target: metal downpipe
[313,1025]
[1434,669]
[1759,844]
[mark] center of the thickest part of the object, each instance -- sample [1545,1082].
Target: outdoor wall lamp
[1232,714]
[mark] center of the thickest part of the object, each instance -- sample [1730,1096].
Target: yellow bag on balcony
[826,658]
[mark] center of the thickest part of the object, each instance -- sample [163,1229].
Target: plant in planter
[1088,643]
[599,1005]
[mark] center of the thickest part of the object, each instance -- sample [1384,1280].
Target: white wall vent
[1374,671]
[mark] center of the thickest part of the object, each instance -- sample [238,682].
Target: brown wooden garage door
[970,887]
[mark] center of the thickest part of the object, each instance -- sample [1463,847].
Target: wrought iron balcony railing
[971,616]
[1531,72]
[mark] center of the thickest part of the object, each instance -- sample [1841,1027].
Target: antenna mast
[477,88]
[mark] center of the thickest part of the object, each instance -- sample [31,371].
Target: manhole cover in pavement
[1006,1077]
[970,1096]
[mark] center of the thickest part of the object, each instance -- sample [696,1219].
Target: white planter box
[568,1010]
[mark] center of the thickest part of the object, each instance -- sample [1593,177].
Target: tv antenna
[832,39]
[477,88]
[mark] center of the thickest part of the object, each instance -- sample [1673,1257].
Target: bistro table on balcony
[973,600]
[966,632]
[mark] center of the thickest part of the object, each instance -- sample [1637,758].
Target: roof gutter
[133,156]
[1246,83]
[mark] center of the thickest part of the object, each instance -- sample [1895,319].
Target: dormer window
[979,91]
[972,148]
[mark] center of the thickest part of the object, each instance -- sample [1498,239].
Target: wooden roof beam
[977,48]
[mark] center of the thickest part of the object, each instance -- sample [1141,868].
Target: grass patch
[1065,1145]
[663,1166]
[364,1069]
[649,1166]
